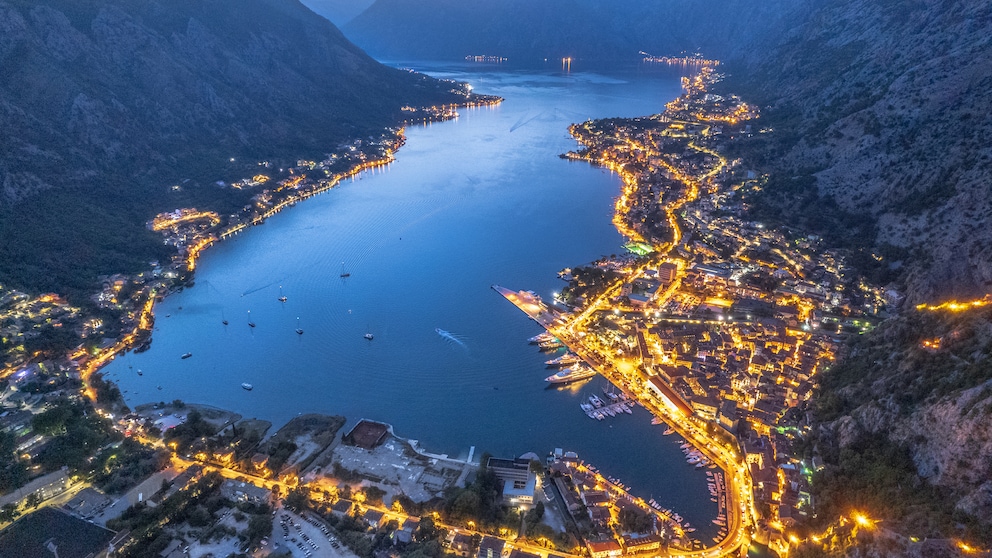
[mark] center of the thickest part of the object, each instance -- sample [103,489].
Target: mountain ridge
[107,104]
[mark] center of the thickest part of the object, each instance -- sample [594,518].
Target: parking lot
[305,536]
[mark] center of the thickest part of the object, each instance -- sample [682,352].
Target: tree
[9,512]
[259,527]
[298,498]
[32,500]
[465,505]
[374,494]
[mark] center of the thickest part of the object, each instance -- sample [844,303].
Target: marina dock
[530,304]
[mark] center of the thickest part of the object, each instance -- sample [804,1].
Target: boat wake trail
[524,121]
[256,289]
[450,337]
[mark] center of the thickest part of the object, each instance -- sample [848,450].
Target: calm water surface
[468,203]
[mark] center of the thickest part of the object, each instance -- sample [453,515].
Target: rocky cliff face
[887,104]
[904,424]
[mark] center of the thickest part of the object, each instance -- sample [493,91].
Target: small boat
[299,330]
[282,297]
[246,386]
[596,401]
[343,272]
[224,322]
[585,407]
[186,355]
[668,431]
[609,411]
[140,373]
[250,323]
[369,336]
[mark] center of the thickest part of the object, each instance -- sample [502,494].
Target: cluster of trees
[78,433]
[196,505]
[117,469]
[588,281]
[107,393]
[185,435]
[481,501]
[13,471]
[633,520]
[279,452]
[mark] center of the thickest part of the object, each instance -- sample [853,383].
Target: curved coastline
[323,186]
[141,334]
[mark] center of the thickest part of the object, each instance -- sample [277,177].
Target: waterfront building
[519,482]
[604,549]
[636,545]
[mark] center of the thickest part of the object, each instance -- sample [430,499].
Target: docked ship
[566,359]
[573,373]
[541,337]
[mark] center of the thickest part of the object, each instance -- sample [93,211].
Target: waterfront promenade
[739,508]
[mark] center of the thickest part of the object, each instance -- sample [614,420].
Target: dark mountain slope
[339,12]
[527,31]
[105,103]
[885,106]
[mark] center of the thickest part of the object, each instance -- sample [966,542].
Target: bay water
[468,203]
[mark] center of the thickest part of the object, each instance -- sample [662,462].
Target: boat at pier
[573,373]
[541,338]
[550,345]
[566,359]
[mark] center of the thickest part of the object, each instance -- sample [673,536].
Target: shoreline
[141,334]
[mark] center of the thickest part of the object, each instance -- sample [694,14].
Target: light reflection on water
[468,203]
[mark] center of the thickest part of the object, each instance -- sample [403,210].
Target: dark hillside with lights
[105,104]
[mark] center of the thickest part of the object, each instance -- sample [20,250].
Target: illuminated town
[715,324]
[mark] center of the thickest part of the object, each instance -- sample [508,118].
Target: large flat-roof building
[519,483]
[36,535]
